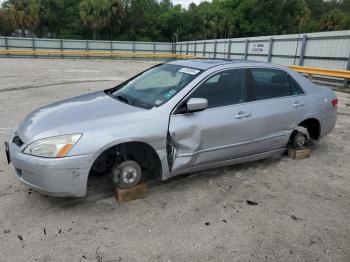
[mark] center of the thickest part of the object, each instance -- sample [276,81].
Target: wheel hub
[300,141]
[129,175]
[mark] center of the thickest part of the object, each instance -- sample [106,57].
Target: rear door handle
[297,104]
[242,115]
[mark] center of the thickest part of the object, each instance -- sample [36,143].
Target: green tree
[60,19]
[5,25]
[99,14]
[158,20]
[293,14]
[316,7]
[51,18]
[345,6]
[23,14]
[260,17]
[333,20]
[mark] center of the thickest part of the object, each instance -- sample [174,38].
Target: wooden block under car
[136,192]
[299,153]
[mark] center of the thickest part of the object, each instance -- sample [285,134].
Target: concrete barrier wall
[325,49]
[66,45]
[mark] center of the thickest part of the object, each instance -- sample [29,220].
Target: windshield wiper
[124,99]
[127,100]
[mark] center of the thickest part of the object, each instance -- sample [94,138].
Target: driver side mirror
[196,104]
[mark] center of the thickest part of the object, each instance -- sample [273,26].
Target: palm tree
[98,14]
[23,14]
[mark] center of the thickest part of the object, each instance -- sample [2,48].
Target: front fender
[150,132]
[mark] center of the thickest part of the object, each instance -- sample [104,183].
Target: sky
[185,3]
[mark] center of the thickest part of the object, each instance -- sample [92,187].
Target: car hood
[75,114]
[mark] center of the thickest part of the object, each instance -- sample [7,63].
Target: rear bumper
[328,124]
[62,177]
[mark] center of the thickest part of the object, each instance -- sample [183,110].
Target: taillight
[335,102]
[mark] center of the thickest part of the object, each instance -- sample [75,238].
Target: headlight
[57,146]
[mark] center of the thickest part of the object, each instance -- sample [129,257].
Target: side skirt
[226,163]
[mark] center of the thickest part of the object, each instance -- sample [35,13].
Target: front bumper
[61,177]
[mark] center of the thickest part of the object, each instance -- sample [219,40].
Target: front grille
[16,140]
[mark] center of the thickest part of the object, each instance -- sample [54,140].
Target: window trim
[177,106]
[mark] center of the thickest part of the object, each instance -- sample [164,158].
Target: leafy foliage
[160,20]
[22,14]
[100,14]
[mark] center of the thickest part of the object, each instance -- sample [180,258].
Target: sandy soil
[303,211]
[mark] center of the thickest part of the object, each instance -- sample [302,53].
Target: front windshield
[156,86]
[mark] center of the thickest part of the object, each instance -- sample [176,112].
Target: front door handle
[242,115]
[297,104]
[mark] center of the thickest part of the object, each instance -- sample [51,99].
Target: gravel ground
[302,211]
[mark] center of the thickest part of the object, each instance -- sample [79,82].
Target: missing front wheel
[127,174]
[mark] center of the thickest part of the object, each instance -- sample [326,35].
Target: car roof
[205,64]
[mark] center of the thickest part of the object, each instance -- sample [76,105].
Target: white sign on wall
[258,48]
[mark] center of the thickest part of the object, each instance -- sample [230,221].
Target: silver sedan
[175,118]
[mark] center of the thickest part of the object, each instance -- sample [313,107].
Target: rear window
[272,83]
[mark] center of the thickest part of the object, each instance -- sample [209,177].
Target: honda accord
[174,118]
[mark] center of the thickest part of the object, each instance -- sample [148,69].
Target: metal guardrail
[315,71]
[321,71]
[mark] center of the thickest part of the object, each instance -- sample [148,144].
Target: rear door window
[270,83]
